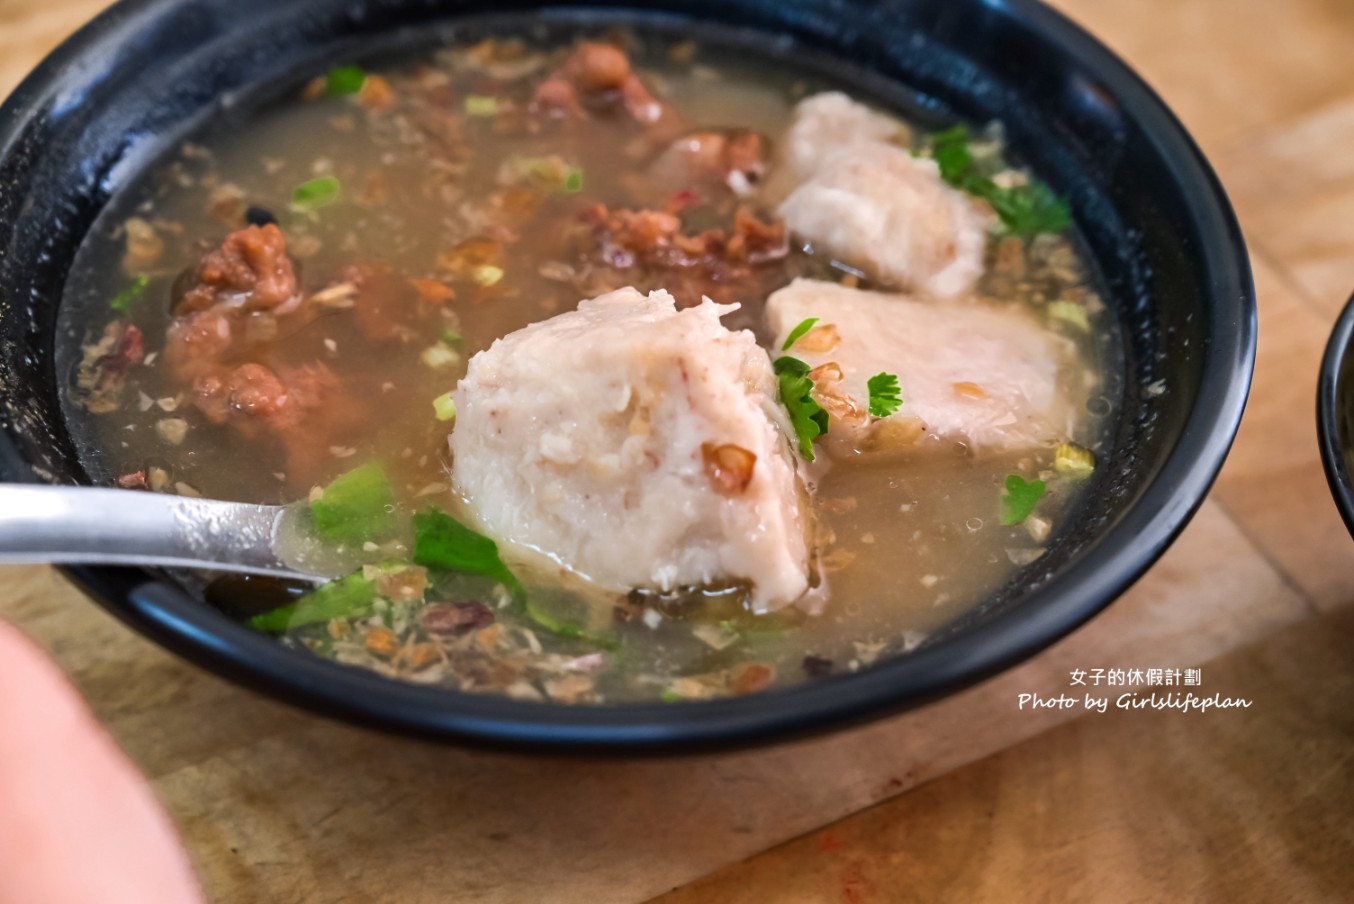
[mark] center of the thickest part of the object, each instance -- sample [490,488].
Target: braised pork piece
[616,368]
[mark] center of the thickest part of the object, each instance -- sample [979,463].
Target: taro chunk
[637,445]
[982,376]
[827,124]
[858,196]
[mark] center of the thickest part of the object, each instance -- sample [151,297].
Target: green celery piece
[1019,499]
[315,193]
[345,80]
[440,541]
[348,597]
[1071,314]
[481,105]
[358,507]
[562,627]
[444,407]
[550,173]
[1073,461]
[122,302]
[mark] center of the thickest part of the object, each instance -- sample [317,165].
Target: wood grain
[967,799]
[1293,184]
[1126,806]
[1230,68]
[279,806]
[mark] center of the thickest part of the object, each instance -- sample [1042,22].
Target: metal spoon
[64,524]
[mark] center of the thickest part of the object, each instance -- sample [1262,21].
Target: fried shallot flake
[381,641]
[729,467]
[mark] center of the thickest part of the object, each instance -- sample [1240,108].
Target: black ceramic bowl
[1335,413]
[1149,210]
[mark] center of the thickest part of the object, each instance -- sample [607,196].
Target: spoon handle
[124,527]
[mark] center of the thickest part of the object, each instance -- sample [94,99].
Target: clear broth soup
[427,208]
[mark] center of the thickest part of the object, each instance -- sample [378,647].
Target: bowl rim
[1081,590]
[1328,407]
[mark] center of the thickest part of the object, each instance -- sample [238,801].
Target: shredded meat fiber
[250,269]
[250,275]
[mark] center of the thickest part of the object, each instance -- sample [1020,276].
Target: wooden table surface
[970,799]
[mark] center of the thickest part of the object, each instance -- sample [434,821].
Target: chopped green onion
[1073,461]
[573,180]
[1070,313]
[358,507]
[885,396]
[670,696]
[348,597]
[807,417]
[450,336]
[444,407]
[123,300]
[440,356]
[487,275]
[442,542]
[1019,499]
[800,329]
[345,80]
[314,194]
[481,105]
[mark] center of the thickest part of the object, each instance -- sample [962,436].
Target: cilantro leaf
[347,597]
[795,334]
[1019,499]
[357,507]
[440,541]
[345,80]
[885,396]
[807,417]
[950,151]
[123,300]
[1024,210]
[1029,209]
[314,194]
